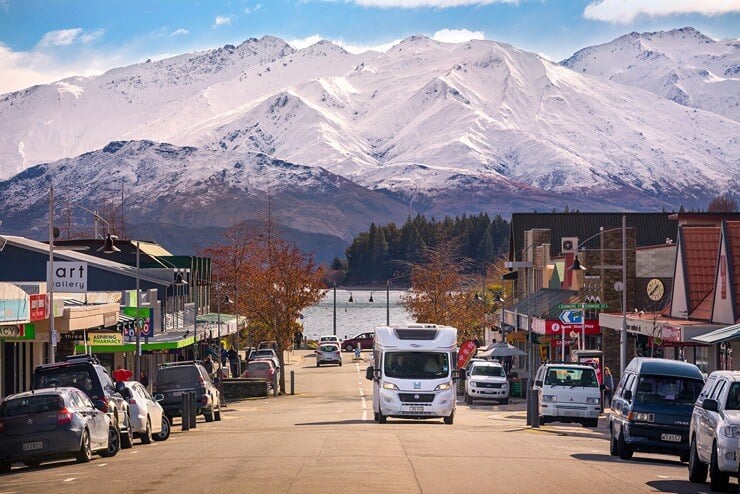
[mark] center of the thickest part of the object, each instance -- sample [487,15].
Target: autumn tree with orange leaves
[270,281]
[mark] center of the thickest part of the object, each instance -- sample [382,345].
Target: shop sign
[69,276]
[38,307]
[671,333]
[18,332]
[144,320]
[553,326]
[105,339]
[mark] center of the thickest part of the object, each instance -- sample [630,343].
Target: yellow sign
[543,353]
[516,337]
[107,339]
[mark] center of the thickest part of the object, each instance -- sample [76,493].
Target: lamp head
[108,247]
[179,281]
[498,297]
[577,266]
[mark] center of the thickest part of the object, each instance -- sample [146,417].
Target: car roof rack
[181,362]
[83,357]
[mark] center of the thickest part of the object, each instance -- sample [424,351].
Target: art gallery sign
[69,276]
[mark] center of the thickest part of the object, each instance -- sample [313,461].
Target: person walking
[608,387]
[121,374]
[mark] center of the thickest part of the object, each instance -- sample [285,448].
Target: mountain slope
[682,65]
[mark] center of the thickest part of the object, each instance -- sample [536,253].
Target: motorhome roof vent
[416,334]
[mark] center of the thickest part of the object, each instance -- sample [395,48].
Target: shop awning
[728,333]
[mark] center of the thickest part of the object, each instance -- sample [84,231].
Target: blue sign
[572,316]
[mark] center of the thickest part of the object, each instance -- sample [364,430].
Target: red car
[261,369]
[365,340]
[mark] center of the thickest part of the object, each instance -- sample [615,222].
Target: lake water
[354,317]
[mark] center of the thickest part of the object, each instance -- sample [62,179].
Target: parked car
[263,369]
[486,380]
[148,420]
[651,407]
[329,338]
[174,378]
[49,424]
[568,393]
[365,340]
[265,353]
[328,353]
[266,345]
[714,431]
[86,374]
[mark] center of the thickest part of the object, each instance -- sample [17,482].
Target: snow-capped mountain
[682,65]
[425,127]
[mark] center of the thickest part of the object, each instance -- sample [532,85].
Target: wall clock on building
[655,289]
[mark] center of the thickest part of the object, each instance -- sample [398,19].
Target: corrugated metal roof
[71,255]
[650,228]
[719,335]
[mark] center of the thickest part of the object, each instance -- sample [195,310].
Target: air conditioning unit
[568,244]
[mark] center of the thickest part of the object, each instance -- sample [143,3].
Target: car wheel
[450,419]
[114,443]
[381,418]
[340,363]
[623,449]
[592,423]
[208,414]
[165,433]
[4,467]
[718,481]
[127,438]
[31,463]
[613,443]
[217,414]
[84,455]
[697,469]
[684,456]
[375,416]
[146,438]
[318,364]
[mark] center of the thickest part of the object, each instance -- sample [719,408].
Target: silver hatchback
[328,353]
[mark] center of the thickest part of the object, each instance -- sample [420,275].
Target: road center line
[70,479]
[362,393]
[364,403]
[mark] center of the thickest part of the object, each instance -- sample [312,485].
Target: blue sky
[45,40]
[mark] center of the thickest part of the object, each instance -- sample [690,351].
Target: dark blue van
[651,408]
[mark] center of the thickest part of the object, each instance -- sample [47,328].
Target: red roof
[700,246]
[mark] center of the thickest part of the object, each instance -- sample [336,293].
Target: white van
[568,393]
[413,372]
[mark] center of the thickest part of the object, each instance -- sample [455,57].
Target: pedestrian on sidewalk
[608,387]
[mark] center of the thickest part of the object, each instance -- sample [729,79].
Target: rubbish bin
[516,388]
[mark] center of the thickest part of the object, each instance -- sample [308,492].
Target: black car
[177,377]
[50,424]
[86,374]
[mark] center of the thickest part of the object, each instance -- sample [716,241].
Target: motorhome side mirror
[710,405]
[628,395]
[369,373]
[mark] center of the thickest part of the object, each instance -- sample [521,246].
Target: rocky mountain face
[334,141]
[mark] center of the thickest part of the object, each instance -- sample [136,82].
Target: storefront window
[701,358]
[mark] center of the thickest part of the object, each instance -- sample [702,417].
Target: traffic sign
[587,305]
[572,316]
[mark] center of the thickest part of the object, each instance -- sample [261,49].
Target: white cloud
[301,43]
[61,37]
[415,4]
[626,10]
[92,36]
[4,5]
[180,32]
[222,20]
[457,35]
[257,7]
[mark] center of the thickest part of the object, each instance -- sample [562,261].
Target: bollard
[292,382]
[185,411]
[193,410]
[275,384]
[535,408]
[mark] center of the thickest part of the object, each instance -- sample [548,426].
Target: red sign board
[467,350]
[38,307]
[554,326]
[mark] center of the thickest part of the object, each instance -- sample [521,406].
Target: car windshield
[31,404]
[177,375]
[416,365]
[487,370]
[265,353]
[733,398]
[76,378]
[258,365]
[667,390]
[571,376]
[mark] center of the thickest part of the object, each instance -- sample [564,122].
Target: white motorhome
[413,372]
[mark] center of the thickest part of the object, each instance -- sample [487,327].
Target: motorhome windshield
[416,365]
[667,390]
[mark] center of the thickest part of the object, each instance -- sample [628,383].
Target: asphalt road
[323,439]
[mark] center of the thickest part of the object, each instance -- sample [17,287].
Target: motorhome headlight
[443,387]
[731,431]
[591,400]
[549,398]
[387,385]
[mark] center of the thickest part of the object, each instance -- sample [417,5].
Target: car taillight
[64,417]
[132,401]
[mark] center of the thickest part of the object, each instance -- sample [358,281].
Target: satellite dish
[619,286]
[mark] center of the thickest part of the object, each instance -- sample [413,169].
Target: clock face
[655,289]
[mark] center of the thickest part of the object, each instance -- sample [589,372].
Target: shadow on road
[575,433]
[635,459]
[678,486]
[335,422]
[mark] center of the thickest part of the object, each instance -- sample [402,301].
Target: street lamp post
[50,277]
[335,308]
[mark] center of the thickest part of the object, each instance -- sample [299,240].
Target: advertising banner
[39,307]
[465,353]
[145,313]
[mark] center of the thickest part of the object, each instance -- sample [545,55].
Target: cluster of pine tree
[387,251]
